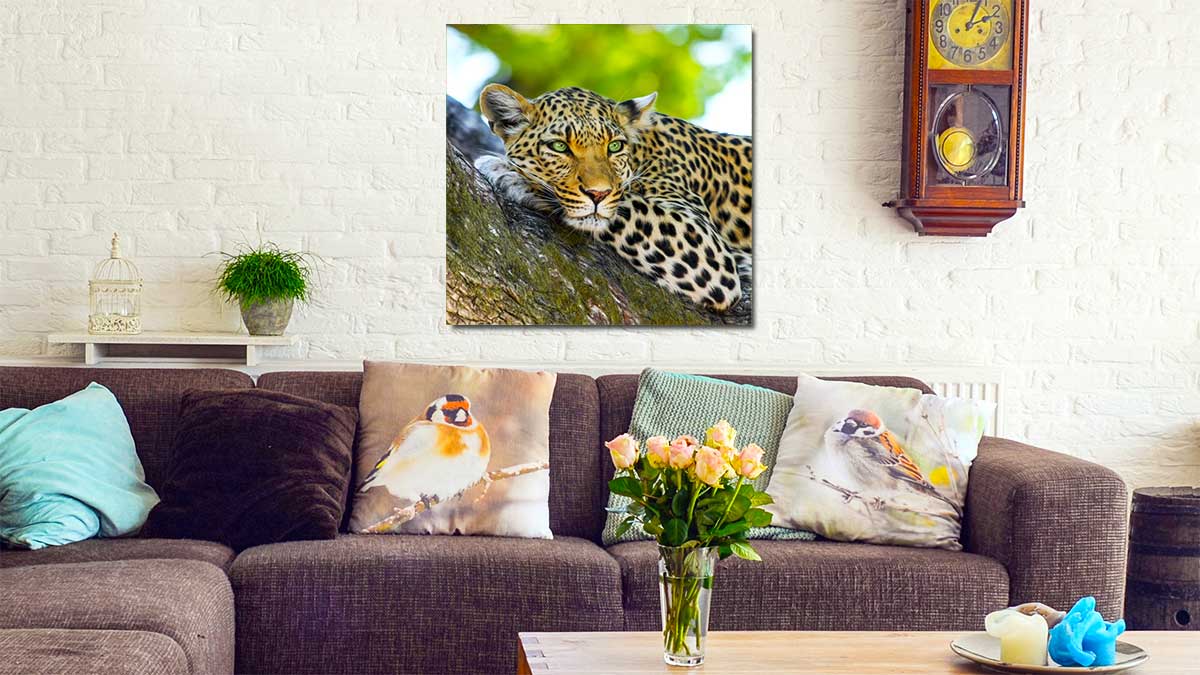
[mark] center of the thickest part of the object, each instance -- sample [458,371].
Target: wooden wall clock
[964,115]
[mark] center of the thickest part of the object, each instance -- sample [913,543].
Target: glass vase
[685,581]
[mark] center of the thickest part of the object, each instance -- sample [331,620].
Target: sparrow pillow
[453,450]
[883,465]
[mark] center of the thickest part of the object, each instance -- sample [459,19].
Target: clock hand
[972,21]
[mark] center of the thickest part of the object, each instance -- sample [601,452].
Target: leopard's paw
[507,183]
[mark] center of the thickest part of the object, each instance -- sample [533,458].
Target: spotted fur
[672,198]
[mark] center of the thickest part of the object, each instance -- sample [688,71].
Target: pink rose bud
[749,462]
[683,448]
[624,451]
[658,451]
[710,466]
[719,434]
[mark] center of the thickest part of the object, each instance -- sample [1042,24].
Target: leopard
[672,198]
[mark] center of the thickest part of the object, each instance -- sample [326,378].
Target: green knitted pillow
[669,404]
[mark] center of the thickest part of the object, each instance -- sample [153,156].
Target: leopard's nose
[597,195]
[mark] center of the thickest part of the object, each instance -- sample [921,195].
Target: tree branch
[404,514]
[508,265]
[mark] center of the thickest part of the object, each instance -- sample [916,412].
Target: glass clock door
[968,135]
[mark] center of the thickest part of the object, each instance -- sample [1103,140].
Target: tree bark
[508,265]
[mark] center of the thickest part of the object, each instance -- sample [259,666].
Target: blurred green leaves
[618,61]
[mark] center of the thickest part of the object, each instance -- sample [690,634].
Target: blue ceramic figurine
[1084,638]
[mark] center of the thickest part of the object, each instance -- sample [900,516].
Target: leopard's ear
[636,111]
[507,111]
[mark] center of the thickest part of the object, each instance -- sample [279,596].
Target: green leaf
[757,518]
[675,532]
[624,526]
[626,486]
[740,506]
[679,504]
[760,499]
[731,528]
[652,527]
[724,551]
[744,551]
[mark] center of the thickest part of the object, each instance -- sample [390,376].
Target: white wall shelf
[96,347]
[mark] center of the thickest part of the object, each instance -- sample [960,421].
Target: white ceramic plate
[985,650]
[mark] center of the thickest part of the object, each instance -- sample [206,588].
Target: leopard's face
[573,145]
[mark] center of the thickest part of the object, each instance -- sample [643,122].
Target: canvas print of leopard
[671,198]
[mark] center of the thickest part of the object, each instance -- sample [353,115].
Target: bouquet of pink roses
[693,498]
[688,493]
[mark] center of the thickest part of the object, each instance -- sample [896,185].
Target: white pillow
[884,465]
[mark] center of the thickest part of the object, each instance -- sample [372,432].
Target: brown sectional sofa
[1039,526]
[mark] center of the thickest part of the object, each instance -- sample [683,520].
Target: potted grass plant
[265,281]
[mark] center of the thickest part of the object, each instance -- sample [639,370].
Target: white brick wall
[192,125]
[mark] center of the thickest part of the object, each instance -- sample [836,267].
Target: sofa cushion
[99,550]
[429,436]
[186,600]
[669,404]
[69,472]
[254,467]
[415,603]
[826,585]
[49,651]
[149,396]
[617,394]
[578,483]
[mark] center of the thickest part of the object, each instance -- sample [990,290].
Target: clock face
[973,34]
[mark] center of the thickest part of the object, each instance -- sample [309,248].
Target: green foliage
[264,273]
[618,61]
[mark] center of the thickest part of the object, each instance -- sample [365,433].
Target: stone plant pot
[267,318]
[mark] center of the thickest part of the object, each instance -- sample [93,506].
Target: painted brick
[172,194]
[98,141]
[191,126]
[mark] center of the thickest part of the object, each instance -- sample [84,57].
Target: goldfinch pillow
[453,450]
[884,465]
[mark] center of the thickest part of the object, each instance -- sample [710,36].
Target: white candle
[1022,637]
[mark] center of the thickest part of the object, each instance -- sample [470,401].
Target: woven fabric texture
[825,585]
[1058,523]
[53,651]
[188,601]
[100,550]
[148,396]
[415,603]
[256,467]
[669,404]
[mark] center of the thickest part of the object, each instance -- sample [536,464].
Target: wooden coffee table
[805,653]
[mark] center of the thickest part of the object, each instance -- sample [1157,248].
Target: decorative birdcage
[115,295]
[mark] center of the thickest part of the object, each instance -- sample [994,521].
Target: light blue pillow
[69,471]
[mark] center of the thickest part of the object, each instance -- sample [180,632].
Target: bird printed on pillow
[435,458]
[876,461]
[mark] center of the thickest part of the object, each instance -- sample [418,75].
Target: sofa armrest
[1058,523]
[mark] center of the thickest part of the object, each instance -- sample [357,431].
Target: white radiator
[983,390]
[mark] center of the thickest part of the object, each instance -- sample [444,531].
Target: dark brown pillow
[254,467]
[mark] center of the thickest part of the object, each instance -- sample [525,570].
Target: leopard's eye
[616,146]
[558,146]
